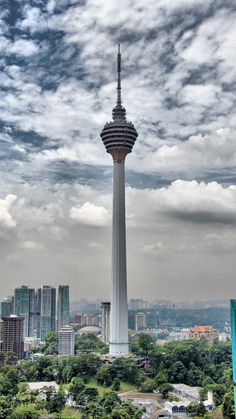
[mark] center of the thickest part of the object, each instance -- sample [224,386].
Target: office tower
[7,306]
[66,343]
[37,312]
[13,340]
[119,137]
[137,304]
[63,306]
[25,306]
[47,299]
[233,336]
[1,333]
[106,308]
[32,313]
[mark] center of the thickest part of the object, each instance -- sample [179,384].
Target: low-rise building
[179,408]
[204,332]
[183,390]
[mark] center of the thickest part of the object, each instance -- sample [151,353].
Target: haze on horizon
[58,87]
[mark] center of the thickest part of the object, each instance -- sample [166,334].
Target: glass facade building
[63,306]
[25,306]
[46,298]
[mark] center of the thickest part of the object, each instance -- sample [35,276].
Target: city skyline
[55,183]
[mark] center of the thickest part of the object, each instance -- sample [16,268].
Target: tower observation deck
[119,137]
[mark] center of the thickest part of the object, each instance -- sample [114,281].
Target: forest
[93,385]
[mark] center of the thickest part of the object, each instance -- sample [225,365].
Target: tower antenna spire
[118,78]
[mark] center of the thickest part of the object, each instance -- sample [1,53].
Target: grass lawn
[123,387]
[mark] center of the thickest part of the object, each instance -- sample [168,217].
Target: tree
[105,375]
[94,409]
[108,401]
[194,375]
[164,389]
[196,409]
[126,410]
[228,405]
[125,369]
[90,343]
[25,412]
[5,407]
[5,386]
[178,372]
[56,402]
[116,384]
[148,385]
[51,343]
[76,387]
[161,378]
[87,395]
[146,344]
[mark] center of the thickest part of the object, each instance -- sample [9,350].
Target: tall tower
[63,306]
[47,301]
[119,137]
[25,306]
[233,337]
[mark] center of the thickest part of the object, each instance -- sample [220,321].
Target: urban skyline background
[58,77]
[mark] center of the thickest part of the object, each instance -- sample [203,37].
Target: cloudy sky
[57,89]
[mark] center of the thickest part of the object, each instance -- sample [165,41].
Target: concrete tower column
[119,307]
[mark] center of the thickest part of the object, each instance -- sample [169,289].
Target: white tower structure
[119,137]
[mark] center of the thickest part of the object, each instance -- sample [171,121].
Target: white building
[66,344]
[209,403]
[177,407]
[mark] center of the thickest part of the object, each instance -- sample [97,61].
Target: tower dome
[119,135]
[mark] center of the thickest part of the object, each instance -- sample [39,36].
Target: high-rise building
[119,137]
[63,306]
[137,304]
[46,298]
[12,335]
[106,308]
[66,343]
[25,306]
[7,306]
[233,336]
[140,321]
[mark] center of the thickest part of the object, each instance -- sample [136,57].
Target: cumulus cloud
[90,214]
[197,202]
[199,154]
[6,219]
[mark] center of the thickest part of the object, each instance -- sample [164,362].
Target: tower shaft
[119,308]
